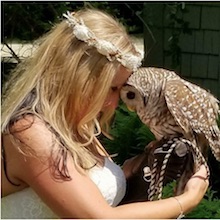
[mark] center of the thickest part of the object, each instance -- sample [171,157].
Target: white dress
[26,204]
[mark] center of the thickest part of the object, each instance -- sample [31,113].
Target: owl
[175,110]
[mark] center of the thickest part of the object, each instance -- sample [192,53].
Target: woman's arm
[80,197]
[171,208]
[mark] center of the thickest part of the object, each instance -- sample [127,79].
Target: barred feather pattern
[173,107]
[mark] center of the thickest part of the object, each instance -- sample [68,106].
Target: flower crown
[106,48]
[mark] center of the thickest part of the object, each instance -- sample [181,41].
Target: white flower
[81,32]
[130,61]
[70,19]
[106,48]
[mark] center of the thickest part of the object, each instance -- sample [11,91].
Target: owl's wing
[193,108]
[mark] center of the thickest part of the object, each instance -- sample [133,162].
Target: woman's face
[117,83]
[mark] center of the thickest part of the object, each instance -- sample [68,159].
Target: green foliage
[130,135]
[168,190]
[208,208]
[26,21]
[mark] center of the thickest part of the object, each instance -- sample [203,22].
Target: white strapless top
[26,204]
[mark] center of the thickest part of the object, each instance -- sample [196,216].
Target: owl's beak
[131,109]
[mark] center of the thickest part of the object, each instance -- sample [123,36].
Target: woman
[54,107]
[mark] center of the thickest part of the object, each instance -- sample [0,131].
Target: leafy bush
[209,207]
[27,21]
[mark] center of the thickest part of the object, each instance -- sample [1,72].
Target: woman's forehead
[121,76]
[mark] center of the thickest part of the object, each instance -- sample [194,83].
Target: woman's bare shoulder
[26,122]
[29,142]
[32,133]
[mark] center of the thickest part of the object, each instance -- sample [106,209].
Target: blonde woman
[53,109]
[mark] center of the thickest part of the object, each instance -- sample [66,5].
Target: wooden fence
[199,47]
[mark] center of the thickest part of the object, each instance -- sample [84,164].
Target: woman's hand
[172,207]
[197,184]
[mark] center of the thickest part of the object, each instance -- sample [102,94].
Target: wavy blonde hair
[65,84]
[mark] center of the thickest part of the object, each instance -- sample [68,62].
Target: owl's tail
[215,147]
[213,138]
[214,143]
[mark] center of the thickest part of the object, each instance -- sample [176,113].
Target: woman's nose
[114,101]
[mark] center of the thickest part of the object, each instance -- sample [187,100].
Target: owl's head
[135,93]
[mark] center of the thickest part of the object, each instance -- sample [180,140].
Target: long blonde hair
[65,84]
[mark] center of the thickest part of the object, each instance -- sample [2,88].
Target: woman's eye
[114,88]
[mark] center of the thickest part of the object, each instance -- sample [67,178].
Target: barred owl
[175,110]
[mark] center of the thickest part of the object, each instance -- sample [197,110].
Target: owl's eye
[130,95]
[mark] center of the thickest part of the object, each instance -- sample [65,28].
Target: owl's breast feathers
[156,115]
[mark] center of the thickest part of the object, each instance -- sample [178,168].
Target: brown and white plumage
[173,107]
